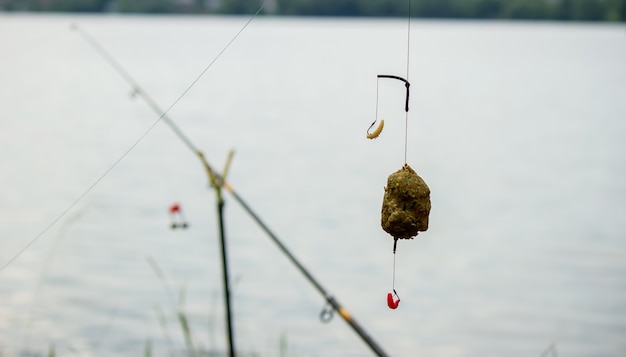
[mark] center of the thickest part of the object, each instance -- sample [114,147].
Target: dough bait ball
[406,204]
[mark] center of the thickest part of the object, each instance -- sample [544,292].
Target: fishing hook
[393,304]
[375,133]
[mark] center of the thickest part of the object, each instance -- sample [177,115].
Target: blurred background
[517,123]
[578,10]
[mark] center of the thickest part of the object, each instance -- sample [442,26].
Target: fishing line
[377,132]
[390,301]
[393,278]
[379,129]
[408,54]
[406,132]
[163,115]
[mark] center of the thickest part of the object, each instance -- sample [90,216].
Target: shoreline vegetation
[560,10]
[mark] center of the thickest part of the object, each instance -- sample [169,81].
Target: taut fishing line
[408,56]
[163,115]
[394,304]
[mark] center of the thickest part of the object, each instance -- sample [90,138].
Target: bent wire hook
[406,85]
[379,129]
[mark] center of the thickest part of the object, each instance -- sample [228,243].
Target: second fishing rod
[218,182]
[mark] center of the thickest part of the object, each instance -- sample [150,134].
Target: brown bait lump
[406,204]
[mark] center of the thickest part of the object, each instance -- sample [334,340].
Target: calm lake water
[519,129]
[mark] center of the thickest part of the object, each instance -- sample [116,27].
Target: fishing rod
[218,182]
